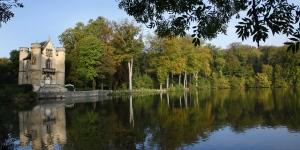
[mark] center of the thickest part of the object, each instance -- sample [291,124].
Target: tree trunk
[160,86]
[197,98]
[180,101]
[94,84]
[131,116]
[172,79]
[161,96]
[185,80]
[179,79]
[167,85]
[196,78]
[191,79]
[185,99]
[130,66]
[168,99]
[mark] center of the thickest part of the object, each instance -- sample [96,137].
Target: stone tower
[24,66]
[60,66]
[43,65]
[36,70]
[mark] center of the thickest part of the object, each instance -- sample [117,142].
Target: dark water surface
[226,119]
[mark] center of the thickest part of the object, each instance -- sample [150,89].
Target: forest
[116,55]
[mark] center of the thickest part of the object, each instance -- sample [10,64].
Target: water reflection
[181,120]
[44,125]
[224,119]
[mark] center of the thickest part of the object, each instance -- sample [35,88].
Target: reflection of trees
[8,125]
[165,124]
[106,127]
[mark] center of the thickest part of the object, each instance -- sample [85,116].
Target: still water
[226,119]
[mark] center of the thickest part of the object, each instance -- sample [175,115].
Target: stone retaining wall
[74,94]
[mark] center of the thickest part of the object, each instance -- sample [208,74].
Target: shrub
[220,82]
[204,83]
[250,82]
[279,80]
[262,80]
[268,70]
[236,82]
[142,81]
[177,88]
[280,83]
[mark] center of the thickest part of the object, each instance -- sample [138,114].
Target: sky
[40,20]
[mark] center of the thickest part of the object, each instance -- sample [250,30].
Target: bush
[220,82]
[177,88]
[142,82]
[204,83]
[237,83]
[280,83]
[20,96]
[262,80]
[250,82]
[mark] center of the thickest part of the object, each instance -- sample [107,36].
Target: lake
[261,119]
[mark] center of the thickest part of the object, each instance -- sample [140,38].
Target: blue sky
[41,19]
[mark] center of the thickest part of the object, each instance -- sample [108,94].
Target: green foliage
[89,54]
[177,88]
[142,82]
[279,80]
[6,9]
[262,80]
[116,45]
[9,68]
[261,17]
[21,96]
[204,83]
[250,82]
[220,82]
[268,70]
[236,82]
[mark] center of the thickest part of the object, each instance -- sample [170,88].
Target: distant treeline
[108,53]
[98,53]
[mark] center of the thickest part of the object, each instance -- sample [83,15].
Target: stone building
[42,65]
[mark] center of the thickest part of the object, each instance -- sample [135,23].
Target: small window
[48,63]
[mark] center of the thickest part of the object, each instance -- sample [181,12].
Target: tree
[128,43]
[6,7]
[102,31]
[174,50]
[90,49]
[212,17]
[14,65]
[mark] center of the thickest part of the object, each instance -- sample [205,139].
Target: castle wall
[32,65]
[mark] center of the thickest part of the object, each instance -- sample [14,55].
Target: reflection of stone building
[44,126]
[43,65]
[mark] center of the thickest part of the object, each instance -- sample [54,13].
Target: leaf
[297,36]
[288,43]
[294,39]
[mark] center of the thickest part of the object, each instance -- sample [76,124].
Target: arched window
[48,63]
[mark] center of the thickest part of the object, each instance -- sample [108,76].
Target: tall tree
[90,50]
[128,43]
